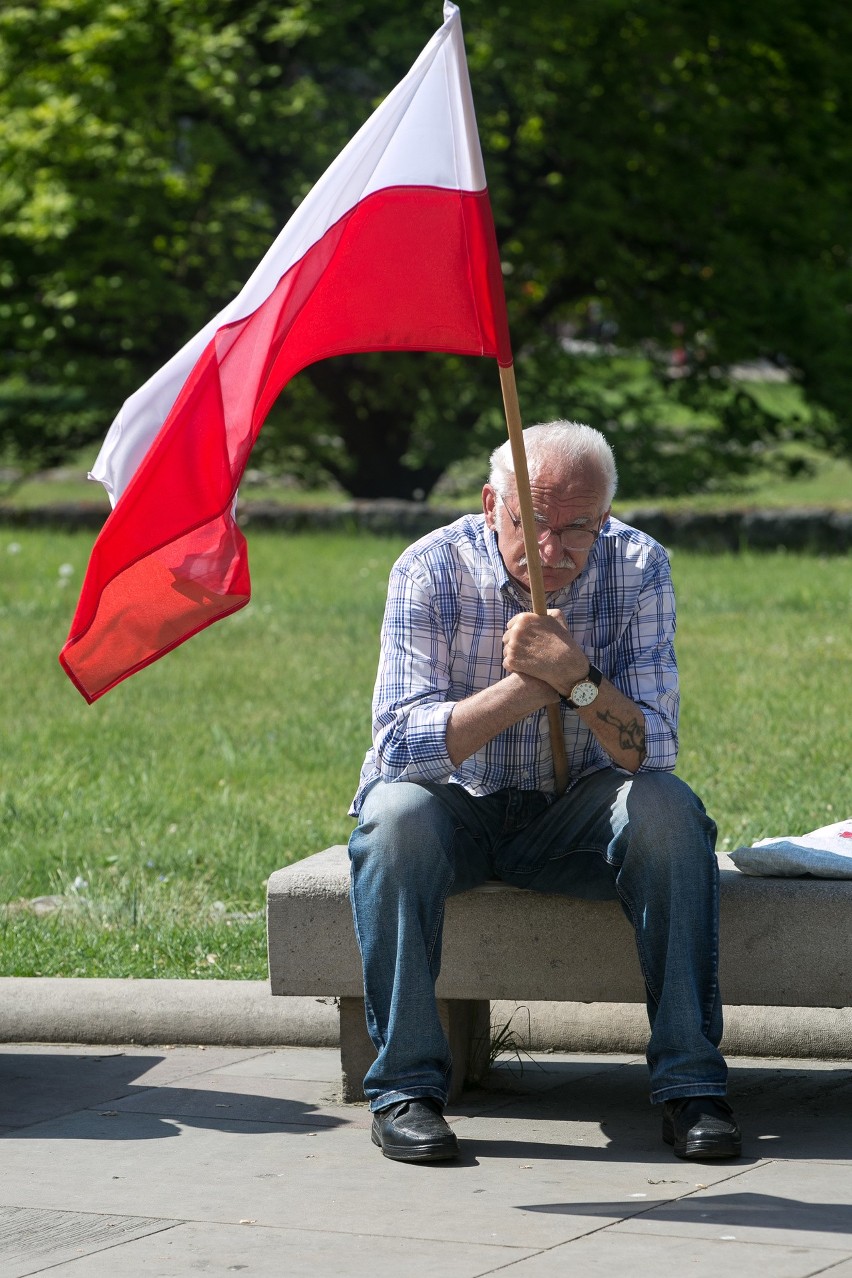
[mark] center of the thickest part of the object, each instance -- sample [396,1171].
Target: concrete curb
[235,1013]
[244,1013]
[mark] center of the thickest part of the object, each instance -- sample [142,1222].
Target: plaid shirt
[449,601]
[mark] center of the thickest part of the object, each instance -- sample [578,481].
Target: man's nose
[551,549]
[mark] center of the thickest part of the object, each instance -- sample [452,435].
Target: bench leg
[356,1049]
[466,1024]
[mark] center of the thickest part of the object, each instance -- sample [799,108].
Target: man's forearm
[484,715]
[619,725]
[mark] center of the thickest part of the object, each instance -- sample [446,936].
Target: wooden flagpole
[512,410]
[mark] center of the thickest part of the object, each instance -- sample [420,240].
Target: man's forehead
[555,490]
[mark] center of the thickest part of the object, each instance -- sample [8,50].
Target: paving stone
[249,1098]
[793,1109]
[39,1085]
[262,1252]
[531,1075]
[226,1171]
[843,1270]
[806,1204]
[308,1063]
[607,1253]
[563,1166]
[32,1239]
[182,1062]
[606,1111]
[39,1082]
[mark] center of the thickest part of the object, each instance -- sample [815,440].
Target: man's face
[574,506]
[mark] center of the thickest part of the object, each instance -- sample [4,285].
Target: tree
[674,174]
[679,175]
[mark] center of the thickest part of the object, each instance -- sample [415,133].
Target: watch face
[584,693]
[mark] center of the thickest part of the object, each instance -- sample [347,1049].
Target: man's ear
[489,505]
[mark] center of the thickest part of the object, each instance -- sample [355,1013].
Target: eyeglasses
[578,539]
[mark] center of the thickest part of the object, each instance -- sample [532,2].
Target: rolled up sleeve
[647,667]
[410,701]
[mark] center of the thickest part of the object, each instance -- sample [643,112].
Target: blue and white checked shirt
[449,601]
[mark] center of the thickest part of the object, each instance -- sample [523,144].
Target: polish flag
[393,249]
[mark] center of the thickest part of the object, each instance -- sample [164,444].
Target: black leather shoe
[701,1127]
[414,1131]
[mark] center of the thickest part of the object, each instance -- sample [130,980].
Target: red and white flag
[393,249]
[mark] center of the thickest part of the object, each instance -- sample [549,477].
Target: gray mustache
[565,562]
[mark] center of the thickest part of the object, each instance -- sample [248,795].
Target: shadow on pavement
[39,1088]
[758,1211]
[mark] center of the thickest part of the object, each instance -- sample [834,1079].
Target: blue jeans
[642,839]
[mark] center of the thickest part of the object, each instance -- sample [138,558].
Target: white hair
[565,446]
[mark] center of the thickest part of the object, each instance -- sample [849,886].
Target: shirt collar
[495,559]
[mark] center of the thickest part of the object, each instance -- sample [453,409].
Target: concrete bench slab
[784,942]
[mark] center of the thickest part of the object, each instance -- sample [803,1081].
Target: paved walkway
[177,1161]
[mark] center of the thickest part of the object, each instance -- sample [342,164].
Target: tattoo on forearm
[631,734]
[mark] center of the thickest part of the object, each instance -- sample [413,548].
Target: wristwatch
[585,690]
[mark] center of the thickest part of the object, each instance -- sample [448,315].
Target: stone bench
[784,943]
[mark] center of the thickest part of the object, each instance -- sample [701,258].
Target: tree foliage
[663,175]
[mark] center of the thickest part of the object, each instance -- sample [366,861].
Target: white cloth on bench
[825,853]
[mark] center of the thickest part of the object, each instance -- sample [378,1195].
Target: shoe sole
[436,1153]
[710,1147]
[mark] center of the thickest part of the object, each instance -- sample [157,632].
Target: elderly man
[458,787]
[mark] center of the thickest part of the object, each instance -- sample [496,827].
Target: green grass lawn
[152,819]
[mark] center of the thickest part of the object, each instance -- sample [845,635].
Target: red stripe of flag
[406,269]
